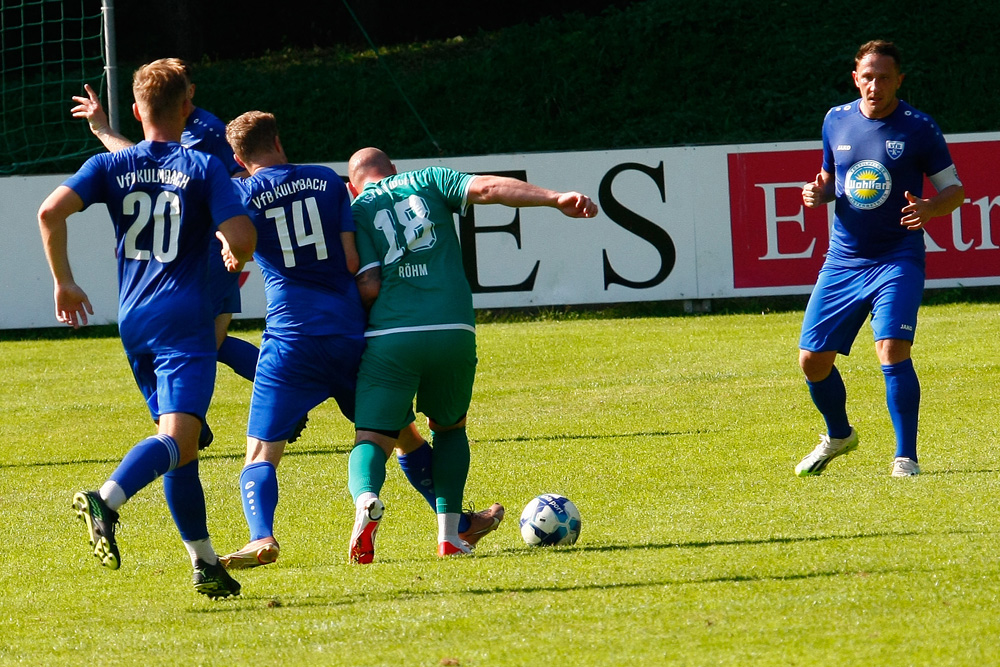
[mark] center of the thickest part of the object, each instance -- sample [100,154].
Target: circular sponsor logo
[867,184]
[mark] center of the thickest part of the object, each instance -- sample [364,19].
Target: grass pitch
[675,436]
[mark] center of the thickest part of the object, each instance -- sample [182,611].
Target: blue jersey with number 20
[165,202]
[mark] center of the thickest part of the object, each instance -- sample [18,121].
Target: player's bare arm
[919,211]
[239,239]
[369,285]
[819,192]
[350,252]
[71,303]
[89,107]
[515,193]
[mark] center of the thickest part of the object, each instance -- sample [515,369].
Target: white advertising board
[675,223]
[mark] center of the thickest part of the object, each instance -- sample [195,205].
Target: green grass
[676,438]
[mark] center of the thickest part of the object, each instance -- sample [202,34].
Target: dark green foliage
[653,73]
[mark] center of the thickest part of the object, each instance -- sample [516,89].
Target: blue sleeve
[938,155]
[828,162]
[346,216]
[224,198]
[90,180]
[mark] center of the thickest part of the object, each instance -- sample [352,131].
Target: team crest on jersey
[867,184]
[894,148]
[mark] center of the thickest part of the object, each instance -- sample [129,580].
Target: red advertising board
[778,242]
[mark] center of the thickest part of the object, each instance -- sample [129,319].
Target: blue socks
[259,490]
[417,466]
[239,355]
[186,500]
[830,397]
[902,396]
[147,460]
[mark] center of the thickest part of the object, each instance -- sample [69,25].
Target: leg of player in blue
[240,355]
[146,461]
[259,492]
[417,467]
[186,500]
[366,476]
[830,397]
[902,396]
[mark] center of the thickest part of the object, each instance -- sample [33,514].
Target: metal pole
[111,62]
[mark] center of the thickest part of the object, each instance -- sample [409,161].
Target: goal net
[48,50]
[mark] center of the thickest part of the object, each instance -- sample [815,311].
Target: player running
[166,203]
[314,334]
[204,132]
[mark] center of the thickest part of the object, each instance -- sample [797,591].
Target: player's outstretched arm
[515,193]
[89,107]
[71,302]
[239,240]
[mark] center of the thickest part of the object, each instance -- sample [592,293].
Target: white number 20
[165,214]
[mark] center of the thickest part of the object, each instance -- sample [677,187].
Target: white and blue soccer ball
[550,520]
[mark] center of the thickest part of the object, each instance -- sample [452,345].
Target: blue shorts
[297,373]
[224,287]
[175,382]
[843,297]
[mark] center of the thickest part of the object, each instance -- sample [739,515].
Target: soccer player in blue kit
[876,152]
[166,202]
[315,325]
[204,132]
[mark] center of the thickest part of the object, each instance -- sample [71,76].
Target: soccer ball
[550,520]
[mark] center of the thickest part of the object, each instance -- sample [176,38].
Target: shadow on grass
[318,601]
[592,436]
[204,457]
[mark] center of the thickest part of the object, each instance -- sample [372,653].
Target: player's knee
[438,427]
[816,365]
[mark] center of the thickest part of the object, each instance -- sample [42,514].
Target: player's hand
[233,265]
[89,107]
[576,205]
[916,213]
[815,194]
[72,305]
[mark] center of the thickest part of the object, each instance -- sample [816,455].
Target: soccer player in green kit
[421,331]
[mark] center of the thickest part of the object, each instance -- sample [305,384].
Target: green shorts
[437,367]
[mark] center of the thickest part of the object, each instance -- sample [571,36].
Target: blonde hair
[252,133]
[161,87]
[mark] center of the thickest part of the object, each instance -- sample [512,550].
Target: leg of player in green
[450,463]
[366,475]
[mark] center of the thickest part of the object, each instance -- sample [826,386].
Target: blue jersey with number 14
[300,211]
[165,202]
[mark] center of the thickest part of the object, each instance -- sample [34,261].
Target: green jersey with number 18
[405,225]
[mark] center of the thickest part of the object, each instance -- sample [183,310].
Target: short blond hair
[252,133]
[161,87]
